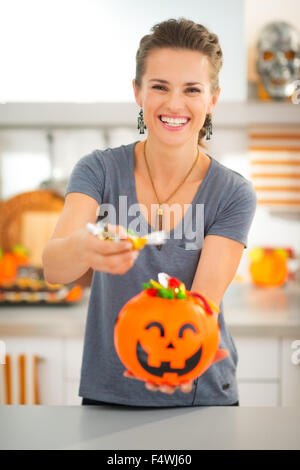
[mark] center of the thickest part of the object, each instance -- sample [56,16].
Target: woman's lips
[173,128]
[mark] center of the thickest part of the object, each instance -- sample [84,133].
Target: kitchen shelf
[104,115]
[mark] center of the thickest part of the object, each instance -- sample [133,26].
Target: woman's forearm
[62,260]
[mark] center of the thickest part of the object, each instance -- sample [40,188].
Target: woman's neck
[169,165]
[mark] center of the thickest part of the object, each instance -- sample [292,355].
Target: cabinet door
[258,358]
[73,358]
[290,372]
[258,371]
[50,366]
[258,394]
[71,389]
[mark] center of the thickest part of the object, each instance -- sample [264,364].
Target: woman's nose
[175,102]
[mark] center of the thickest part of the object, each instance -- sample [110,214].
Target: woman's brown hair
[182,34]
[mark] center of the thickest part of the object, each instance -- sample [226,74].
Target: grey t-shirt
[229,202]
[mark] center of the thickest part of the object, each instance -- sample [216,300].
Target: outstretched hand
[185,387]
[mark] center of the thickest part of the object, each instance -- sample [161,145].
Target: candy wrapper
[101,231]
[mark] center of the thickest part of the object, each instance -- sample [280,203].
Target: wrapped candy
[138,243]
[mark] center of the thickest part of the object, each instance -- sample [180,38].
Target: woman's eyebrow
[167,83]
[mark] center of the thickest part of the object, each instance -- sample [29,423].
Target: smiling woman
[176,86]
[166,99]
[192,41]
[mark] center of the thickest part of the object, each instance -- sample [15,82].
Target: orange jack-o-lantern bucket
[168,335]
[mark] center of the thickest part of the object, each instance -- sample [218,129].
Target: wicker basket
[16,210]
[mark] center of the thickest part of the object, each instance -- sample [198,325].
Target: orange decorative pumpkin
[168,340]
[268,266]
[8,268]
[74,295]
[21,255]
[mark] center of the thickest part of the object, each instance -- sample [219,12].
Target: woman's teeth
[173,122]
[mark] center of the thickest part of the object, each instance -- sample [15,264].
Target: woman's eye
[190,90]
[157,86]
[194,90]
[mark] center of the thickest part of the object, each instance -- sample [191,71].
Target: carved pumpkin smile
[165,367]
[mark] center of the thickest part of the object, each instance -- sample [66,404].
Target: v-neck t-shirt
[227,202]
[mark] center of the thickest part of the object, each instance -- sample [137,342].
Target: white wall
[84,50]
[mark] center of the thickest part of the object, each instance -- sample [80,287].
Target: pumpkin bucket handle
[208,305]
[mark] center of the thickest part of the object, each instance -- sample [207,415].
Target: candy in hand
[138,243]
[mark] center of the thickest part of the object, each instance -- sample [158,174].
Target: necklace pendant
[159,210]
[160,214]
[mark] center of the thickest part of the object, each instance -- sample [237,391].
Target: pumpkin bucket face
[165,341]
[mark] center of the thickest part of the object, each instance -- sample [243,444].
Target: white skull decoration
[278,61]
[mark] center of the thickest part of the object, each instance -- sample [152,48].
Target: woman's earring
[141,124]
[208,127]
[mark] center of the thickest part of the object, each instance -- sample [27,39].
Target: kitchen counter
[273,311]
[114,427]
[248,310]
[45,320]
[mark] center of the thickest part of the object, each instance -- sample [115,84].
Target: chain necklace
[159,212]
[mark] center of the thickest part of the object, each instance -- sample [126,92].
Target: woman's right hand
[114,257]
[185,387]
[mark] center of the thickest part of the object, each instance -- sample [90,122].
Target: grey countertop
[116,427]
[45,320]
[248,310]
[273,311]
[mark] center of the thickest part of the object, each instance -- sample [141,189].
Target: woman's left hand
[185,387]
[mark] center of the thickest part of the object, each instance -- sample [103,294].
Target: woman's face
[176,84]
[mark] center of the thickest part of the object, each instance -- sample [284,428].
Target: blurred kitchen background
[65,90]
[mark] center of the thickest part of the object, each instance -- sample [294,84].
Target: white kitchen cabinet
[290,372]
[258,370]
[266,374]
[258,357]
[73,349]
[58,367]
[71,397]
[258,394]
[50,365]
